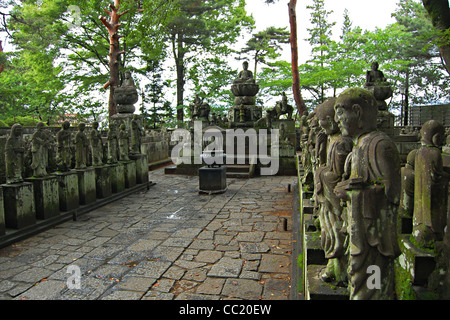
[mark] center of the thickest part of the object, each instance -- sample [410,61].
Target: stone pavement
[169,242]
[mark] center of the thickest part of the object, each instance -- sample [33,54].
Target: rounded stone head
[356,112]
[81,126]
[325,116]
[16,130]
[433,133]
[66,125]
[95,125]
[40,126]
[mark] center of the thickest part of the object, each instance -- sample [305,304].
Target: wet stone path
[169,242]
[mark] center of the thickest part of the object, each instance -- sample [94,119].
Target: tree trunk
[114,52]
[178,52]
[439,12]
[2,66]
[301,106]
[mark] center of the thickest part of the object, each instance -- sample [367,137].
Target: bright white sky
[363,13]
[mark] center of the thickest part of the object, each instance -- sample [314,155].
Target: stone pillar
[103,181]
[117,173]
[86,185]
[46,196]
[19,205]
[130,173]
[69,196]
[141,167]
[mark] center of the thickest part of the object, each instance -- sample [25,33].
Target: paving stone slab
[242,288]
[226,267]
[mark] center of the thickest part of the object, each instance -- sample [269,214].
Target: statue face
[347,120]
[328,125]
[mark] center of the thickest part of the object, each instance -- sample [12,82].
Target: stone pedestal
[19,205]
[130,173]
[2,213]
[86,185]
[141,167]
[103,181]
[69,196]
[212,179]
[117,174]
[46,196]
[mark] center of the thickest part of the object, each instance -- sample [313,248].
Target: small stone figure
[136,136]
[124,148]
[407,201]
[64,147]
[96,145]
[245,75]
[430,187]
[39,150]
[199,109]
[331,212]
[126,95]
[81,147]
[375,76]
[128,81]
[14,155]
[112,144]
[372,192]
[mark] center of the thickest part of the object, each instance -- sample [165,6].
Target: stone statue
[81,147]
[245,75]
[14,155]
[199,110]
[96,145]
[64,147]
[39,150]
[372,192]
[375,76]
[128,81]
[123,143]
[407,200]
[430,187]
[331,212]
[136,135]
[126,95]
[112,144]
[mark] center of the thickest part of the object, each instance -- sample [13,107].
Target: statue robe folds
[374,192]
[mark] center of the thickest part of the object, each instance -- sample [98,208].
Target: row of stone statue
[67,150]
[355,173]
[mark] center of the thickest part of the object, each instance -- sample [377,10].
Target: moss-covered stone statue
[430,187]
[136,135]
[372,192]
[39,150]
[14,155]
[81,147]
[331,213]
[96,145]
[407,200]
[113,144]
[124,143]
[64,148]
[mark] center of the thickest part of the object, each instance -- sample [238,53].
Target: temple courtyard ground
[169,242]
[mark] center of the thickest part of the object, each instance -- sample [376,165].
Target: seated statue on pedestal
[14,155]
[245,76]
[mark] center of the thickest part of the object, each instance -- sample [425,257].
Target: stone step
[238,168]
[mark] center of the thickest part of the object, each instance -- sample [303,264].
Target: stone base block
[46,196]
[117,171]
[130,173]
[141,167]
[212,180]
[69,196]
[103,182]
[86,185]
[19,205]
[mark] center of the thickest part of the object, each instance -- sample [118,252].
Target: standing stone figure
[39,149]
[430,187]
[96,145]
[123,143]
[331,213]
[112,144]
[64,143]
[136,136]
[407,200]
[14,155]
[372,192]
[81,147]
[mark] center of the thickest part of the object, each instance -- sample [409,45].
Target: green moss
[403,284]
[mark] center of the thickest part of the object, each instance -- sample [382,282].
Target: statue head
[81,126]
[411,158]
[40,126]
[127,74]
[356,112]
[375,65]
[433,133]
[245,65]
[16,130]
[325,116]
[66,125]
[95,125]
[122,127]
